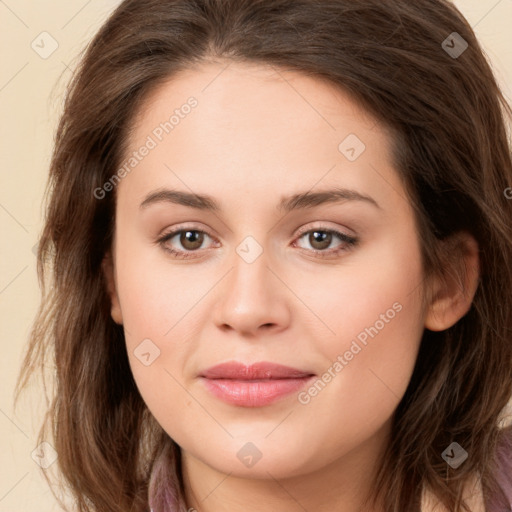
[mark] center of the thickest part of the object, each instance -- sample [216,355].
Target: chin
[260,460]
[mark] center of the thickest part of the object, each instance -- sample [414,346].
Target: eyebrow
[298,201]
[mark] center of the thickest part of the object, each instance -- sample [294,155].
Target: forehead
[238,89]
[254,127]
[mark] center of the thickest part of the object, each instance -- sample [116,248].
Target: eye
[321,238]
[190,240]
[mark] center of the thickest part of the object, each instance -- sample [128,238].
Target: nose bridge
[251,295]
[249,280]
[251,265]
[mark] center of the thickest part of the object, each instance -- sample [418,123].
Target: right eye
[190,239]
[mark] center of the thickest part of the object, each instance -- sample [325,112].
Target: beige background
[31,91]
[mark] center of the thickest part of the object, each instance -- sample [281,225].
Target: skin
[256,135]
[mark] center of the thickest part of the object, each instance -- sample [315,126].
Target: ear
[107,267]
[453,290]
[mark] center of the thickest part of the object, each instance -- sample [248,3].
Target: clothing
[498,501]
[501,500]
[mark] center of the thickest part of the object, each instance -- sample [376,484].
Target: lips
[256,371]
[253,385]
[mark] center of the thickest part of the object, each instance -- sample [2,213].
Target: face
[304,254]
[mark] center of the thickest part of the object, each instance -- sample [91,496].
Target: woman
[280,239]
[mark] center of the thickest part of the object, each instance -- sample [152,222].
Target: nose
[252,298]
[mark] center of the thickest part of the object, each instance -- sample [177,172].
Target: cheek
[155,293]
[376,295]
[375,323]
[163,305]
[376,315]
[157,334]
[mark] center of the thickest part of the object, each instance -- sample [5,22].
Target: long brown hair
[450,146]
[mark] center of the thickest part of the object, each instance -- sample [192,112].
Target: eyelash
[348,242]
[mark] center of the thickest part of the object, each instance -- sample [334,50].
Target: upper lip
[260,370]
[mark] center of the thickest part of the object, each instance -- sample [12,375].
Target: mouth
[253,385]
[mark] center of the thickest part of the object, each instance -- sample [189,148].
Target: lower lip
[246,393]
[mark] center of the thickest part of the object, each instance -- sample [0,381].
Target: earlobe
[108,271]
[453,292]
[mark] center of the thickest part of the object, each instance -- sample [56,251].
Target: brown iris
[194,238]
[324,239]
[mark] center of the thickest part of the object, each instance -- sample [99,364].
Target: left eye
[324,237]
[192,239]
